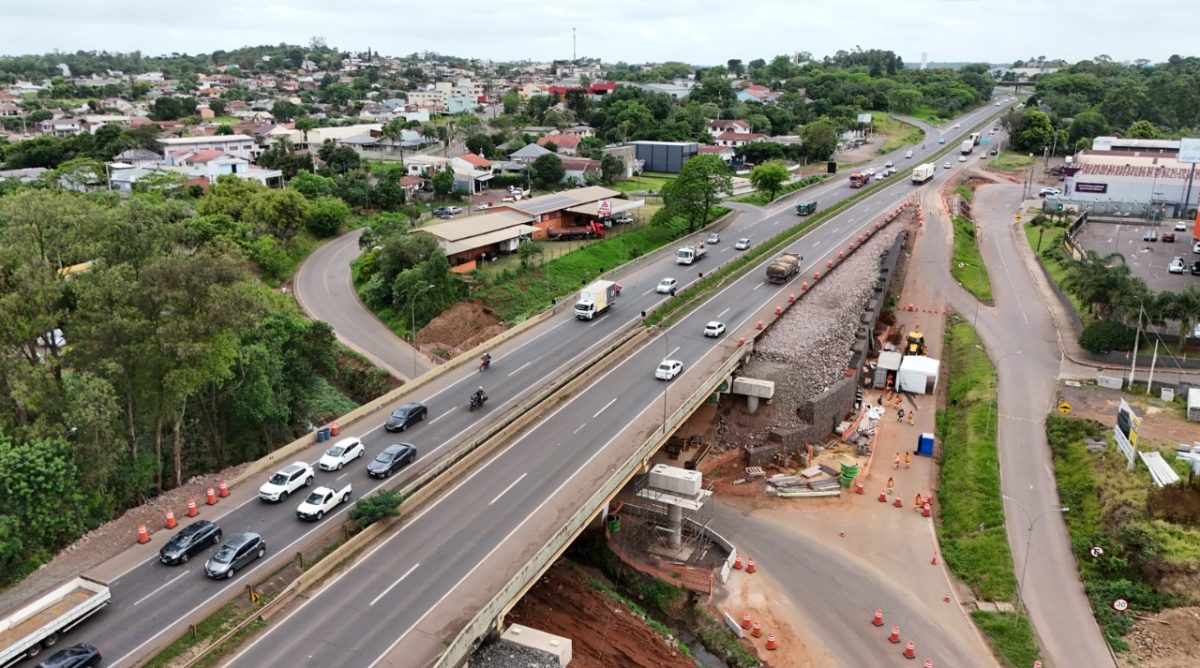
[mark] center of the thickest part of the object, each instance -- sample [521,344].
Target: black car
[392,458]
[238,551]
[405,416]
[190,540]
[74,656]
[1196,268]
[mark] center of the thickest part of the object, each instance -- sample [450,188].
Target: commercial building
[569,208]
[473,239]
[1141,177]
[241,146]
[664,156]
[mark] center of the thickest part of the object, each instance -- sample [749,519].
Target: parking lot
[1147,259]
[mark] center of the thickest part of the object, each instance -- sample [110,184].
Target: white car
[666,285]
[481,207]
[285,481]
[668,369]
[1180,226]
[1177,266]
[1049,192]
[714,238]
[962,158]
[958,125]
[714,329]
[908,154]
[341,453]
[453,210]
[880,176]
[1196,247]
[744,243]
[947,165]
[889,164]
[322,500]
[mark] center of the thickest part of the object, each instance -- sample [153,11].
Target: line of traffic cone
[877,620]
[894,638]
[750,568]
[737,560]
[192,511]
[170,523]
[211,497]
[771,641]
[222,489]
[143,536]
[910,651]
[746,621]
[756,630]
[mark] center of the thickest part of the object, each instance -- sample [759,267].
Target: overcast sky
[701,32]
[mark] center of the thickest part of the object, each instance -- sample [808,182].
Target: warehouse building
[1136,177]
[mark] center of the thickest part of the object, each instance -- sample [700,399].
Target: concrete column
[675,518]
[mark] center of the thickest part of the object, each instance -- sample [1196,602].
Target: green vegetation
[971,527]
[637,610]
[900,133]
[1010,636]
[761,199]
[966,264]
[1010,161]
[1150,537]
[643,183]
[208,631]
[926,113]
[378,506]
[964,191]
[718,639]
[1050,240]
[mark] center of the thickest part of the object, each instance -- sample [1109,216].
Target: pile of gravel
[501,654]
[806,351]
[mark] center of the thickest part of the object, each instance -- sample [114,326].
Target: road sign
[1096,551]
[1120,605]
[604,208]
[1064,408]
[1017,217]
[255,597]
[1059,207]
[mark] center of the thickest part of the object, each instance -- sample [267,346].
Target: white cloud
[698,32]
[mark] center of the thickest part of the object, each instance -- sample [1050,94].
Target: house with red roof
[756,93]
[736,139]
[567,144]
[726,125]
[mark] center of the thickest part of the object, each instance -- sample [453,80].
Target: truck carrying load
[966,147]
[806,207]
[923,173]
[783,268]
[976,137]
[40,623]
[690,254]
[595,299]
[858,179]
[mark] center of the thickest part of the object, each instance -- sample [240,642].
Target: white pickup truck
[322,500]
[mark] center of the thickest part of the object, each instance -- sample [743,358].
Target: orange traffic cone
[910,650]
[333,429]
[895,637]
[858,487]
[926,511]
[750,565]
[170,519]
[756,630]
[770,641]
[928,663]
[760,324]
[737,561]
[222,489]
[143,535]
[946,598]
[746,621]
[897,502]
[933,559]
[192,511]
[211,497]
[883,496]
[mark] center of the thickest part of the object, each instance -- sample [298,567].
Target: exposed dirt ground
[459,328]
[1170,639]
[1159,424]
[603,632]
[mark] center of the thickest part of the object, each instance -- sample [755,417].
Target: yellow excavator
[915,344]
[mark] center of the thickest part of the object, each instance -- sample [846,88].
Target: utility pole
[573,57]
[1136,339]
[1153,363]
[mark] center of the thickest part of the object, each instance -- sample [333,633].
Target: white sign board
[1189,150]
[604,208]
[1125,432]
[867,118]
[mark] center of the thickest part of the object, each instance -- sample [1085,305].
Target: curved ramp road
[153,603]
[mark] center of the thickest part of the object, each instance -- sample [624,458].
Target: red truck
[858,179]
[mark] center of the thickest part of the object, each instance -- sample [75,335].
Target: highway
[397,604]
[426,561]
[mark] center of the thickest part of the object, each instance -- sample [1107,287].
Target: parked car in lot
[666,285]
[235,554]
[1044,192]
[453,210]
[1196,247]
[714,329]
[285,481]
[714,238]
[341,453]
[1150,236]
[668,369]
[191,539]
[405,416]
[1176,266]
[74,656]
[392,459]
[742,244]
[1180,226]
[1196,269]
[1168,237]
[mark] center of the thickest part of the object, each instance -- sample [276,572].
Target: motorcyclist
[477,398]
[485,361]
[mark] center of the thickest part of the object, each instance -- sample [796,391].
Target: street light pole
[412,310]
[1028,542]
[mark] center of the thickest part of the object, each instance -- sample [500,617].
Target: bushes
[1102,336]
[376,507]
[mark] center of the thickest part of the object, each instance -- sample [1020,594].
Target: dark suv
[393,458]
[190,540]
[74,656]
[238,551]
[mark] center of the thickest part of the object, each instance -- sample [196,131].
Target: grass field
[966,265]
[1010,161]
[643,183]
[971,523]
[760,198]
[899,133]
[927,114]
[1054,262]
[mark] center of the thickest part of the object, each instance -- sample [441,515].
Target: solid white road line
[614,400]
[510,486]
[443,415]
[398,581]
[160,588]
[723,312]
[518,369]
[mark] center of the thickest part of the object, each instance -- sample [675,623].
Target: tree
[338,157]
[312,185]
[326,215]
[1035,132]
[735,67]
[769,177]
[1143,129]
[218,106]
[819,139]
[512,103]
[172,108]
[612,168]
[590,147]
[700,184]
[481,144]
[1087,125]
[443,182]
[230,195]
[550,146]
[387,195]
[548,170]
[282,213]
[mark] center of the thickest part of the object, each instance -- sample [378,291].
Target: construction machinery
[915,343]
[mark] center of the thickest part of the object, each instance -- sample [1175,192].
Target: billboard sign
[1126,432]
[1189,150]
[867,118]
[1100,188]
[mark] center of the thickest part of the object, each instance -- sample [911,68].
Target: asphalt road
[397,604]
[151,602]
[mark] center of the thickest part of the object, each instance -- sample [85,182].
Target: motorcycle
[484,363]
[477,401]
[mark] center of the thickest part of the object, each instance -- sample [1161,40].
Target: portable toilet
[925,444]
